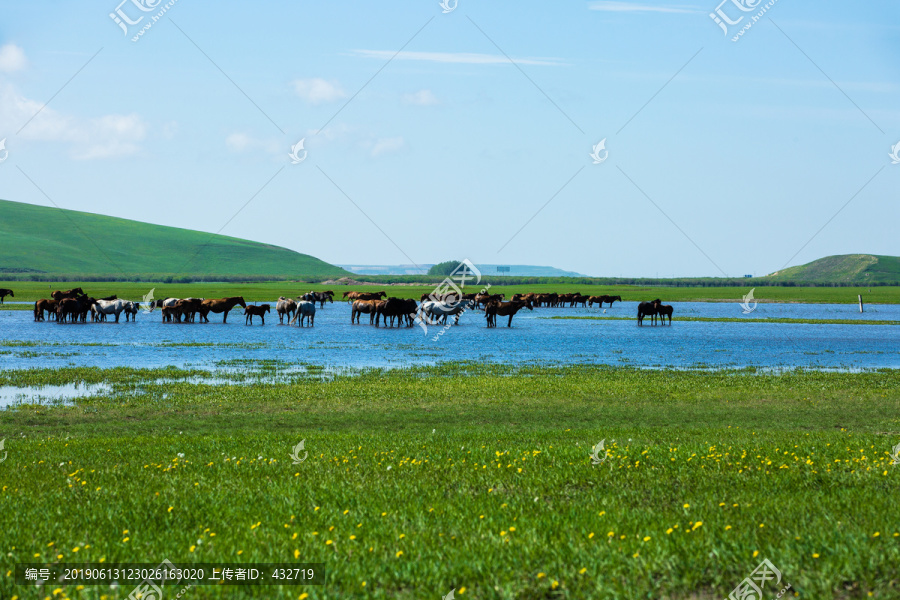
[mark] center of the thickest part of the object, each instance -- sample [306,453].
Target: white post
[860,302]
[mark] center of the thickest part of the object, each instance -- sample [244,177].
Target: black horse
[4,292]
[648,309]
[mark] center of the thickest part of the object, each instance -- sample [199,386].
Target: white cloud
[318,91]
[613,6]
[387,145]
[421,98]
[237,142]
[12,58]
[107,136]
[241,142]
[454,57]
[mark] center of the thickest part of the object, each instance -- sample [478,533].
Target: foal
[259,311]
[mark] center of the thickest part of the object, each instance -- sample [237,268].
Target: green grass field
[52,240]
[256,292]
[462,476]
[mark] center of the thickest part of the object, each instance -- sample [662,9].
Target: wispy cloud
[318,91]
[421,98]
[387,145]
[107,136]
[12,58]
[613,6]
[455,57]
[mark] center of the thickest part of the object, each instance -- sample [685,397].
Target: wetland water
[534,338]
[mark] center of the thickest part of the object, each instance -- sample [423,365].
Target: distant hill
[39,241]
[513,270]
[858,269]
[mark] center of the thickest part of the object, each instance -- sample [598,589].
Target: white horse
[168,302]
[109,307]
[305,310]
[441,310]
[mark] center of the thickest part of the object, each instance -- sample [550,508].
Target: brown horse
[504,309]
[259,311]
[73,293]
[665,310]
[190,307]
[75,308]
[485,299]
[220,305]
[361,307]
[4,292]
[45,305]
[285,306]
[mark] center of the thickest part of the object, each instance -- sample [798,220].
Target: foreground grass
[29,291]
[462,476]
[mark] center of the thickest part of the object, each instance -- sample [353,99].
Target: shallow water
[50,395]
[533,338]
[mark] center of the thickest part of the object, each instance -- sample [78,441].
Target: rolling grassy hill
[40,241]
[859,269]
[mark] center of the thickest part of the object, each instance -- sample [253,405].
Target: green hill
[860,269]
[39,241]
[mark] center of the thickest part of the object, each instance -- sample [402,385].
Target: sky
[470,129]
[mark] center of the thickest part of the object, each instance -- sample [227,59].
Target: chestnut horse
[4,292]
[361,307]
[45,305]
[220,305]
[73,293]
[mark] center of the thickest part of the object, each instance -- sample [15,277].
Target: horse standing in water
[259,311]
[285,306]
[648,309]
[665,310]
[220,305]
[305,310]
[503,309]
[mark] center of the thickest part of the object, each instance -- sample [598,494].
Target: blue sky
[723,157]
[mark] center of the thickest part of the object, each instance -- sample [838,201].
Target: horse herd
[434,309]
